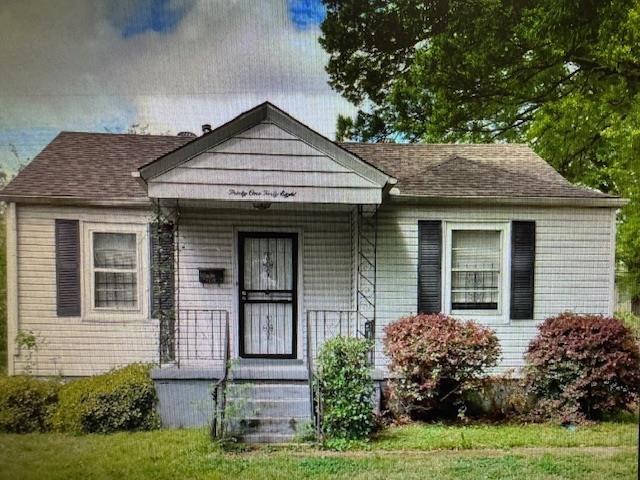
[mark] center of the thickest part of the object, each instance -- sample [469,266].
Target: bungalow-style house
[230,257]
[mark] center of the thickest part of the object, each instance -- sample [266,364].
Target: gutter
[606,202]
[139,202]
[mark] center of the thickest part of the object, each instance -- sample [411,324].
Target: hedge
[26,403]
[122,399]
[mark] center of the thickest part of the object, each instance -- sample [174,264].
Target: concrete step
[268,438]
[267,390]
[265,370]
[293,407]
[250,425]
[267,411]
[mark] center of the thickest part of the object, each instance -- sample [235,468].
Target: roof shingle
[478,170]
[91,165]
[99,165]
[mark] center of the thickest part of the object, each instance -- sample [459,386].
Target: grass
[420,437]
[418,451]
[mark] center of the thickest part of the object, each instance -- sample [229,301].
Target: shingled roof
[98,166]
[478,170]
[91,165]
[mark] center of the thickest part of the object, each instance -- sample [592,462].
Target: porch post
[163,232]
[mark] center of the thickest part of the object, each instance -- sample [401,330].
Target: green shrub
[346,389]
[581,367]
[435,359]
[25,404]
[631,320]
[122,399]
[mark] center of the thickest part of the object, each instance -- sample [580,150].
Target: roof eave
[607,202]
[139,202]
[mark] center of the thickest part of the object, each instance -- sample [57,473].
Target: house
[230,257]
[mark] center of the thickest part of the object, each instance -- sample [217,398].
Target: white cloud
[66,66]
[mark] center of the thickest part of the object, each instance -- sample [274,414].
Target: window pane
[114,250]
[475,265]
[115,290]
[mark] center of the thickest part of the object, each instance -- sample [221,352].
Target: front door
[267,284]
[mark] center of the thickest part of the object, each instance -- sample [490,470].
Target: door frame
[242,235]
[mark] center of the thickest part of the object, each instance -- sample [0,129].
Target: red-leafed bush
[434,359]
[582,366]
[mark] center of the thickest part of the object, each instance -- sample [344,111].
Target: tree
[562,75]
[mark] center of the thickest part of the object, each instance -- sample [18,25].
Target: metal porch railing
[201,336]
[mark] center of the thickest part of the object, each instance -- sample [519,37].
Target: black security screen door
[267,292]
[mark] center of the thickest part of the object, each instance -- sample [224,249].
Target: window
[115,259]
[476,271]
[115,270]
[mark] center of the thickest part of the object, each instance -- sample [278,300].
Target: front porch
[288,280]
[265,248]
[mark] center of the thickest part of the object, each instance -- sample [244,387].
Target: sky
[165,65]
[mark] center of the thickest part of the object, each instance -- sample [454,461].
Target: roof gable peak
[264,112]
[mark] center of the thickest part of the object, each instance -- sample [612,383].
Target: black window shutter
[523,253]
[162,268]
[67,236]
[429,266]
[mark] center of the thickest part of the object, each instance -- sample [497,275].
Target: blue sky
[161,16]
[306,13]
[171,65]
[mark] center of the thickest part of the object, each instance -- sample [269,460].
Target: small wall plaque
[211,275]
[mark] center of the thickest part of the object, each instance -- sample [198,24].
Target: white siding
[573,269]
[70,345]
[265,158]
[208,238]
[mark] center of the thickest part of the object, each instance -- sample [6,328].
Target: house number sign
[265,193]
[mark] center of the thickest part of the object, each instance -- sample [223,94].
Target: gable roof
[243,122]
[478,170]
[94,166]
[97,167]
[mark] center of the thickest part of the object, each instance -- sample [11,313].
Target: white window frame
[501,315]
[91,312]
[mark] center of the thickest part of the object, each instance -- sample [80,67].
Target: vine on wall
[163,305]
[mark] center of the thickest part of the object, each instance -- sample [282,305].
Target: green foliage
[346,389]
[631,320]
[562,75]
[122,399]
[26,339]
[25,403]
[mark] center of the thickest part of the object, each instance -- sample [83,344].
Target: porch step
[267,438]
[280,425]
[268,390]
[262,369]
[267,411]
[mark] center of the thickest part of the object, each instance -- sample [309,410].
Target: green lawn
[481,452]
